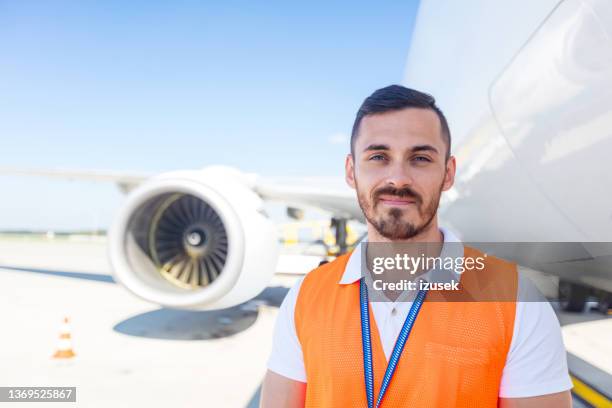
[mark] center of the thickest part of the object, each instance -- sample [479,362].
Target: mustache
[398,192]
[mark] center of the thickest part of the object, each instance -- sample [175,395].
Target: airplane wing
[328,194]
[322,193]
[125,181]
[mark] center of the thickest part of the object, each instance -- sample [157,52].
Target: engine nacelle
[195,240]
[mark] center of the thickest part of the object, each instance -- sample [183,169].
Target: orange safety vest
[454,356]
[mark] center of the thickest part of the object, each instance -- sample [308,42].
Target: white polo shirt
[536,362]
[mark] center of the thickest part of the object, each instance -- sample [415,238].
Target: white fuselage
[526,89]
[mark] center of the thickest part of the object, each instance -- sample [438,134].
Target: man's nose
[398,176]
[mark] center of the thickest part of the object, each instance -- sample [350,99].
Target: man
[507,354]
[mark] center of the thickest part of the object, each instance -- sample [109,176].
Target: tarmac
[133,353]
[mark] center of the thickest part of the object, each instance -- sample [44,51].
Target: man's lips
[395,200]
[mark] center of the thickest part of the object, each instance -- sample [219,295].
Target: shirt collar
[352,272]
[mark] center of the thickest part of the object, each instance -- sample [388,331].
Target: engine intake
[184,237]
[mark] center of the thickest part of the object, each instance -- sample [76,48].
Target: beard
[391,223]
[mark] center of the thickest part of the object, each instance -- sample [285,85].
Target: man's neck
[431,235]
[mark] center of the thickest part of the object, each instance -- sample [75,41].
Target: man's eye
[422,158]
[377,157]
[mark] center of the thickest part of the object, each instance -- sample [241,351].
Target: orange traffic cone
[64,344]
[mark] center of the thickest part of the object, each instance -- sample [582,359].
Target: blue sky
[268,87]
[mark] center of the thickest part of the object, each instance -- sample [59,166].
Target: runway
[132,353]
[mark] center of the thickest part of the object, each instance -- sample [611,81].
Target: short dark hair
[397,97]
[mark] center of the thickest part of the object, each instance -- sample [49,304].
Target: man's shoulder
[318,292]
[328,270]
[326,276]
[489,260]
[489,278]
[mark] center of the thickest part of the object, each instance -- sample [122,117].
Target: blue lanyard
[397,350]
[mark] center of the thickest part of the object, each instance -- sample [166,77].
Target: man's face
[399,170]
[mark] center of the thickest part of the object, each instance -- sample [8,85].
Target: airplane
[526,92]
[525,87]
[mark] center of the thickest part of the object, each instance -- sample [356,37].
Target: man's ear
[349,170]
[449,176]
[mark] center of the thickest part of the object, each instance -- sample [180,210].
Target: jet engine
[194,240]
